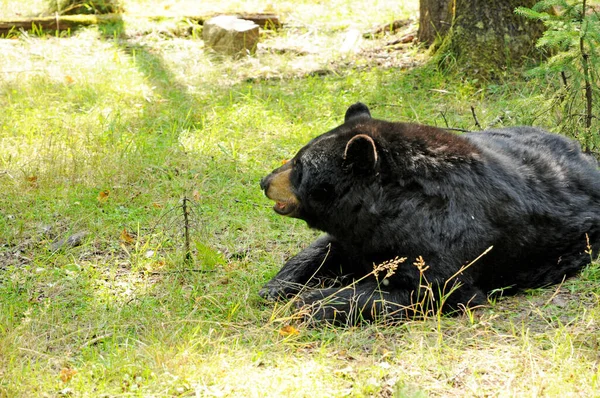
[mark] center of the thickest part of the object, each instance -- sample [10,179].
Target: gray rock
[72,241]
[230,35]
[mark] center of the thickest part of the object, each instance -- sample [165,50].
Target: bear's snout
[278,187]
[264,183]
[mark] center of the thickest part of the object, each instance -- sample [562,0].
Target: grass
[105,134]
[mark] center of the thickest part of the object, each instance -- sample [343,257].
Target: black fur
[410,190]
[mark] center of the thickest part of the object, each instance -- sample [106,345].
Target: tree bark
[435,19]
[485,36]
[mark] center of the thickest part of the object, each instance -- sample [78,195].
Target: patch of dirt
[381,48]
[545,309]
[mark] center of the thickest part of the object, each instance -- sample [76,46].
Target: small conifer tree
[572,37]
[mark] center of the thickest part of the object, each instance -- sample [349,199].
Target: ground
[103,134]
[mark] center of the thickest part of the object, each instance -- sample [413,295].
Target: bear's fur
[381,190]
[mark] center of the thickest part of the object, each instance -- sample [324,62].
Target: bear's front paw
[271,294]
[279,290]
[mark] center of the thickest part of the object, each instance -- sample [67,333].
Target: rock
[230,35]
[72,241]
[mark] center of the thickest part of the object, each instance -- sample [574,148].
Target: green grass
[152,118]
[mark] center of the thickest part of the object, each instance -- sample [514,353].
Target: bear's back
[534,153]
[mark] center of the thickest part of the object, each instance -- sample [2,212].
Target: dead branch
[187,259]
[389,27]
[475,118]
[72,22]
[586,72]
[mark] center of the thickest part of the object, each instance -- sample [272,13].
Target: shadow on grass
[173,109]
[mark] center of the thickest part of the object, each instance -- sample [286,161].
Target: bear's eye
[321,192]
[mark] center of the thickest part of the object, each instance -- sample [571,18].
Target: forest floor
[104,132]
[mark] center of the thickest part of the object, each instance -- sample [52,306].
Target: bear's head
[366,173]
[319,183]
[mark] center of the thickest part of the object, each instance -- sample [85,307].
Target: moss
[77,7]
[487,38]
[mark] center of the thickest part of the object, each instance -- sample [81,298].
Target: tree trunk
[435,19]
[485,37]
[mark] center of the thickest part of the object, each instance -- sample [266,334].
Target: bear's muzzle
[278,187]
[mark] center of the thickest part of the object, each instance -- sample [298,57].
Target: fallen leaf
[126,237]
[284,161]
[288,330]
[67,374]
[157,205]
[196,195]
[32,180]
[103,196]
[69,79]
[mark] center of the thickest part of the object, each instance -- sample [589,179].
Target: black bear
[454,216]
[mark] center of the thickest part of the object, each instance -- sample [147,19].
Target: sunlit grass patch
[104,135]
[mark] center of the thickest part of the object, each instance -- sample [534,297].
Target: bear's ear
[358,110]
[361,153]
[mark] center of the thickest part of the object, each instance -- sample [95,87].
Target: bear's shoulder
[420,139]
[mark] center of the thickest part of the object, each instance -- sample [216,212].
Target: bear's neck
[414,149]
